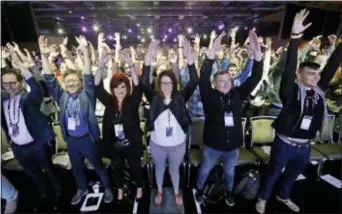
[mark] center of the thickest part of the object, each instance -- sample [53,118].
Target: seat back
[243,121]
[5,147]
[60,143]
[327,133]
[196,132]
[262,130]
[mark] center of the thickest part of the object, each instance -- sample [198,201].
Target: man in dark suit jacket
[27,128]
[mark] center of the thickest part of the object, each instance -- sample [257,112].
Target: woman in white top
[168,118]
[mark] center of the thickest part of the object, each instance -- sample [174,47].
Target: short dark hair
[312,65]
[232,65]
[69,71]
[14,72]
[222,72]
[172,76]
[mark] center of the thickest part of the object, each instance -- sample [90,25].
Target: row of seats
[262,135]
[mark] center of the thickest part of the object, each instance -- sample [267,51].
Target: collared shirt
[195,105]
[74,111]
[14,113]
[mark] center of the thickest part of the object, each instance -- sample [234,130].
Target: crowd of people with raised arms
[219,83]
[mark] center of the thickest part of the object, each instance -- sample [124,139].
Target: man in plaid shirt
[195,105]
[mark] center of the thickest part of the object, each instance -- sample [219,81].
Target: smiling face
[11,84]
[72,83]
[309,77]
[166,86]
[232,69]
[223,82]
[120,92]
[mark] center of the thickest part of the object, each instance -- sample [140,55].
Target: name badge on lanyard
[306,122]
[228,119]
[72,123]
[119,131]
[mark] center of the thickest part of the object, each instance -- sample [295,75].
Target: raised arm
[51,82]
[331,67]
[191,85]
[204,82]
[247,87]
[180,51]
[145,77]
[289,74]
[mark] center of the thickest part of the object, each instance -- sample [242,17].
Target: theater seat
[323,142]
[61,157]
[262,136]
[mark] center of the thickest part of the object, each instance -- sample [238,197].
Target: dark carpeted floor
[312,195]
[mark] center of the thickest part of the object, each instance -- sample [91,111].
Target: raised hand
[216,45]
[100,38]
[233,32]
[152,51]
[104,58]
[173,56]
[82,42]
[269,42]
[197,39]
[43,46]
[117,37]
[254,46]
[4,53]
[126,57]
[298,27]
[332,39]
[15,46]
[180,39]
[213,35]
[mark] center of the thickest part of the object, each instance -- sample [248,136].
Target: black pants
[34,158]
[133,157]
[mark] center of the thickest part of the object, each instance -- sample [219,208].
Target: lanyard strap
[73,107]
[15,114]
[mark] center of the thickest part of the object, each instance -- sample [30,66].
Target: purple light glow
[221,26]
[129,30]
[169,30]
[84,29]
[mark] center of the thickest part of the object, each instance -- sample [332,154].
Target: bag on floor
[214,189]
[248,186]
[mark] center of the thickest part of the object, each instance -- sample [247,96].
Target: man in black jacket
[222,108]
[303,114]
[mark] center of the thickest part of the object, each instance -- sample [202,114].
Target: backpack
[214,189]
[249,184]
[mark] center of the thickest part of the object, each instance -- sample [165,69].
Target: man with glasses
[21,118]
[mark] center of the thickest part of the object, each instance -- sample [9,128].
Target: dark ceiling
[119,16]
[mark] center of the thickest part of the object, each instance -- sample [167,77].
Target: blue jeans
[78,150]
[282,154]
[8,193]
[209,160]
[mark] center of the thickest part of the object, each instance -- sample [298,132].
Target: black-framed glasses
[9,84]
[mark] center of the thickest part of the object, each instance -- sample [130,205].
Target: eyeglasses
[9,84]
[71,82]
[166,83]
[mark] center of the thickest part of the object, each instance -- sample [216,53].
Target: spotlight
[138,37]
[84,29]
[189,30]
[60,31]
[124,37]
[205,36]
[165,36]
[129,30]
[254,29]
[96,28]
[70,11]
[169,30]
[221,26]
[175,40]
[142,40]
[82,17]
[152,37]
[149,30]
[138,25]
[164,40]
[110,37]
[246,28]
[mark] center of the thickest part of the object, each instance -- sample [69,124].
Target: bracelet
[296,34]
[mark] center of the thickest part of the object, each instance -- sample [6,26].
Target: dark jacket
[37,124]
[291,114]
[215,133]
[129,117]
[178,100]
[87,103]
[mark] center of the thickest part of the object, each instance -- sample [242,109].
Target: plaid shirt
[195,105]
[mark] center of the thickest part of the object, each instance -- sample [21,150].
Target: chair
[146,158]
[245,156]
[324,142]
[61,157]
[7,156]
[262,135]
